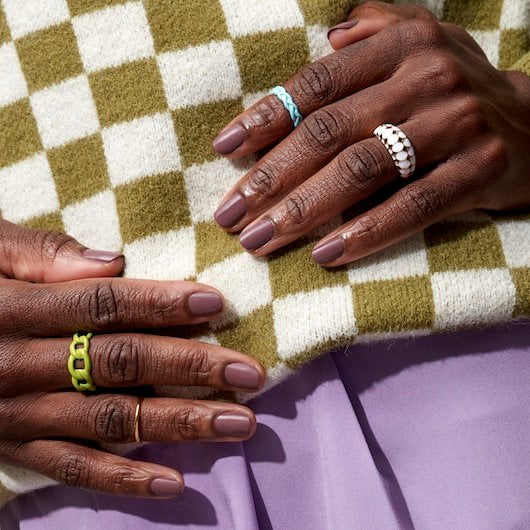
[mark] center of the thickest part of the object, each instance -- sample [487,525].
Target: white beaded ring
[399,147]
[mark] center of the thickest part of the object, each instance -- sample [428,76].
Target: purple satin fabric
[427,433]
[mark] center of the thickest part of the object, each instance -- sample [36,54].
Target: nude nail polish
[328,251]
[343,25]
[229,139]
[101,255]
[202,304]
[166,487]
[231,211]
[242,375]
[232,424]
[256,236]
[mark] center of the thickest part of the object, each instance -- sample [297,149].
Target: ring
[137,437]
[289,104]
[79,351]
[399,147]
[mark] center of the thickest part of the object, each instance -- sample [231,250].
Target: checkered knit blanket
[107,112]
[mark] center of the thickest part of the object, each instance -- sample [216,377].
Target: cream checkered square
[409,255]
[472,298]
[26,16]
[12,82]
[489,41]
[254,97]
[200,74]
[244,293]
[318,42]
[515,236]
[94,222]
[65,112]
[326,314]
[112,36]
[141,147]
[261,16]
[27,189]
[515,15]
[167,256]
[206,185]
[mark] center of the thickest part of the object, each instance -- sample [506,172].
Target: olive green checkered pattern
[107,112]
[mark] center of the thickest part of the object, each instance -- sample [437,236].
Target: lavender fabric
[431,433]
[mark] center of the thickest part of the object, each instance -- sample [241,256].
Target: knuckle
[73,469]
[122,481]
[263,181]
[444,72]
[359,168]
[187,422]
[427,31]
[52,243]
[103,308]
[420,203]
[112,419]
[315,83]
[194,367]
[497,156]
[266,112]
[322,130]
[297,208]
[123,362]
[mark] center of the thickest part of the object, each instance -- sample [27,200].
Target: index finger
[323,82]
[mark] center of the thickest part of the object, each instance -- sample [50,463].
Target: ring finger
[113,418]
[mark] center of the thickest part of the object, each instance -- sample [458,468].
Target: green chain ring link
[79,348]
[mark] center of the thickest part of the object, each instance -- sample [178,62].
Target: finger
[110,304]
[357,173]
[46,256]
[112,417]
[322,136]
[450,189]
[370,18]
[82,467]
[129,360]
[321,83]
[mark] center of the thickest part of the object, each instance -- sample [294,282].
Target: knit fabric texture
[107,113]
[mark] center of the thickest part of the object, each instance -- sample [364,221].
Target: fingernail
[256,236]
[166,487]
[231,211]
[101,255]
[230,139]
[232,424]
[343,25]
[328,251]
[205,303]
[242,375]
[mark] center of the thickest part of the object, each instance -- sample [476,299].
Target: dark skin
[468,122]
[49,291]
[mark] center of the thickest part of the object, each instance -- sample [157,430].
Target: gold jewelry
[137,437]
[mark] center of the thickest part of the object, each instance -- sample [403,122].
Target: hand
[468,122]
[44,422]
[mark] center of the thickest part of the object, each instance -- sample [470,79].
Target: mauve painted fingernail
[242,375]
[328,251]
[232,424]
[256,236]
[166,487]
[205,303]
[229,139]
[231,211]
[101,255]
[343,25]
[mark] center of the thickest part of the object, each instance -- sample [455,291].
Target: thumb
[370,18]
[45,256]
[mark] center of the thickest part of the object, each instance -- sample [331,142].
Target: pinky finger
[410,210]
[83,467]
